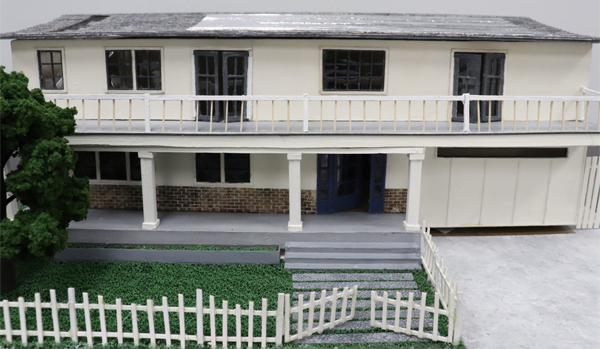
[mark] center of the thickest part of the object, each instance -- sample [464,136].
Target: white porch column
[295,222]
[413,199]
[151,220]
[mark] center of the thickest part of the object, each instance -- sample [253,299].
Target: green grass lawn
[137,282]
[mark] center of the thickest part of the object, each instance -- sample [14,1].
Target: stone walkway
[404,283]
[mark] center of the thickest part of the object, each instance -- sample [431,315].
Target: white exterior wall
[293,67]
[268,171]
[501,192]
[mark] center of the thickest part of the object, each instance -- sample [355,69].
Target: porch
[216,228]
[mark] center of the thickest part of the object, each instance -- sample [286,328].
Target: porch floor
[125,227]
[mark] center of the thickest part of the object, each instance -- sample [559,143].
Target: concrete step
[354,265]
[352,247]
[292,255]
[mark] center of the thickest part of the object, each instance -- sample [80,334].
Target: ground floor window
[100,165]
[222,168]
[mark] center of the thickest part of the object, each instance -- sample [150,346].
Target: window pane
[353,70]
[56,57]
[119,72]
[148,69]
[45,57]
[208,167]
[135,169]
[237,168]
[86,165]
[112,166]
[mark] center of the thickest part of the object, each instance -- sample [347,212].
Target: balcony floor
[328,127]
[124,227]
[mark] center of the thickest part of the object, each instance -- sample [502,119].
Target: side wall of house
[501,192]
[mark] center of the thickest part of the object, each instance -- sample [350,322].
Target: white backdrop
[578,16]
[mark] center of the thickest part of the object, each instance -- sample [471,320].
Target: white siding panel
[466,189]
[434,189]
[532,189]
[565,188]
[498,192]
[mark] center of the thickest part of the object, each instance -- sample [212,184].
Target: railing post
[466,112]
[305,112]
[147,111]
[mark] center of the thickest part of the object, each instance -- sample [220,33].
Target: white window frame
[64,70]
[222,183]
[99,179]
[134,69]
[386,70]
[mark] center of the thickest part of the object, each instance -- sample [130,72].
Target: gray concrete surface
[532,291]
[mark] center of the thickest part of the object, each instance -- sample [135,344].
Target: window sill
[54,92]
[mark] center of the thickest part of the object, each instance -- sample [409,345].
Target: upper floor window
[133,69]
[119,166]
[353,70]
[51,69]
[222,168]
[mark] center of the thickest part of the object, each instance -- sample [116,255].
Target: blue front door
[344,181]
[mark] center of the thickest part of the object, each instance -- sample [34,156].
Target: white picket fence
[282,315]
[589,205]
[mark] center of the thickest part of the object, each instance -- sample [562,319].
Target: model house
[459,121]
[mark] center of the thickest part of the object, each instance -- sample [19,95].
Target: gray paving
[361,285]
[352,277]
[366,324]
[384,337]
[362,293]
[527,291]
[364,314]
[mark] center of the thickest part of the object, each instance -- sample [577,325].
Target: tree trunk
[8,275]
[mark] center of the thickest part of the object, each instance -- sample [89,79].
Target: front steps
[352,255]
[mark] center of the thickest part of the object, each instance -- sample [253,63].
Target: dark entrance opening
[351,183]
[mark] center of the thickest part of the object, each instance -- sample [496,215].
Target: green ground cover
[175,247]
[137,282]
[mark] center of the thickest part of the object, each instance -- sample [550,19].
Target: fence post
[305,112]
[457,323]
[147,111]
[73,314]
[288,313]
[279,320]
[7,325]
[466,112]
[373,295]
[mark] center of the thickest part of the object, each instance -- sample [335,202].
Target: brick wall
[202,199]
[395,200]
[218,199]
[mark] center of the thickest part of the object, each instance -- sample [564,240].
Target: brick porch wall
[218,199]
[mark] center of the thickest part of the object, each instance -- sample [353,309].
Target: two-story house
[459,121]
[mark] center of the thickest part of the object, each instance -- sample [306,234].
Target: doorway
[478,74]
[221,73]
[351,182]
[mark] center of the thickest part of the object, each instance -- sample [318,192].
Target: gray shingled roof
[298,25]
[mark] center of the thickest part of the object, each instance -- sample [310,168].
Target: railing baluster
[83,112]
[576,115]
[436,115]
[350,115]
[242,116]
[409,101]
[321,122]
[563,115]
[424,115]
[478,116]
[502,114]
[395,113]
[114,111]
[288,116]
[364,115]
[181,115]
[273,116]
[598,116]
[335,115]
[489,116]
[379,116]
[212,113]
[586,113]
[164,114]
[130,102]
[515,115]
[527,116]
[538,115]
[226,114]
[449,113]
[550,116]
[256,115]
[99,112]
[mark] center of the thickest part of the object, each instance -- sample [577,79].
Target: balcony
[170,114]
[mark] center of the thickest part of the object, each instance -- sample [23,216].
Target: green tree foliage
[34,130]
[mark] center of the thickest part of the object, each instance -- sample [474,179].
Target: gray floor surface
[528,291]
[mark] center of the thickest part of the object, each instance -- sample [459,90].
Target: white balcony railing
[145,113]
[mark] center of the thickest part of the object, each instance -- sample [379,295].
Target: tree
[35,130]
